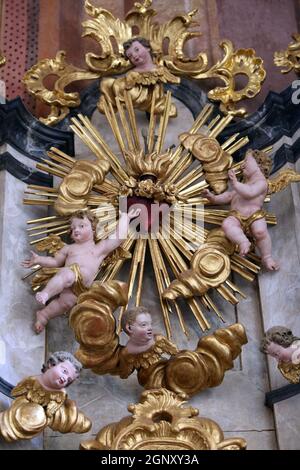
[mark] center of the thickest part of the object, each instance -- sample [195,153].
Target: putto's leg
[263,241]
[234,232]
[57,307]
[64,279]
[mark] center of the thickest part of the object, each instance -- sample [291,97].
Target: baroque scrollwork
[160,421]
[2,59]
[58,99]
[210,267]
[75,189]
[35,408]
[290,58]
[215,161]
[185,371]
[282,180]
[110,33]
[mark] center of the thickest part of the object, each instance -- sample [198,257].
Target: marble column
[280,300]
[21,350]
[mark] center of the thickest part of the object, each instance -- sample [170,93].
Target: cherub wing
[56,401]
[52,244]
[22,388]
[282,180]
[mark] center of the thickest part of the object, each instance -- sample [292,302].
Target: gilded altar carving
[111,33]
[185,371]
[160,421]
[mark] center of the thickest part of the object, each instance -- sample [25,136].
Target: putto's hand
[132,213]
[232,176]
[28,263]
[206,193]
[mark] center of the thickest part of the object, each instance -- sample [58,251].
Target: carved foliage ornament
[161,422]
[290,58]
[110,33]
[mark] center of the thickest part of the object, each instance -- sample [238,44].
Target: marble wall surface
[22,351]
[280,299]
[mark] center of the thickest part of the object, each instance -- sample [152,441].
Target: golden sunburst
[162,176]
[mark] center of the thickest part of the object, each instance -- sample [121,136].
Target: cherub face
[141,328]
[81,230]
[61,375]
[138,54]
[249,165]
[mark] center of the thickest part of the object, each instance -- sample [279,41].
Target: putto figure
[140,81]
[137,323]
[72,270]
[246,216]
[280,343]
[42,401]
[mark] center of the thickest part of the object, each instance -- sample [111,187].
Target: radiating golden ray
[167,282]
[137,264]
[178,265]
[181,167]
[111,271]
[160,282]
[36,221]
[213,122]
[39,202]
[42,188]
[132,120]
[220,126]
[172,250]
[62,154]
[152,122]
[212,305]
[164,123]
[176,157]
[83,127]
[50,230]
[235,288]
[46,225]
[128,135]
[190,178]
[111,118]
[237,145]
[227,294]
[34,242]
[193,190]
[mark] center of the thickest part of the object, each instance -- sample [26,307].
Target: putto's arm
[47,261]
[224,198]
[248,191]
[105,247]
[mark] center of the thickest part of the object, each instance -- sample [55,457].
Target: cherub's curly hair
[277,334]
[145,42]
[130,316]
[263,160]
[62,356]
[89,215]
